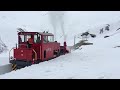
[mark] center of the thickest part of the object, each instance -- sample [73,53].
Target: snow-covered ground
[97,61]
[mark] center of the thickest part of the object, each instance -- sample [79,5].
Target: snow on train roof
[45,33]
[41,33]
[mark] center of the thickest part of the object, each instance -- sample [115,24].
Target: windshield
[24,38]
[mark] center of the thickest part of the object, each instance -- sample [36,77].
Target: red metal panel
[40,53]
[23,54]
[49,47]
[36,47]
[28,55]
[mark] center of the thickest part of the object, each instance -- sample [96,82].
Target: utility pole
[74,39]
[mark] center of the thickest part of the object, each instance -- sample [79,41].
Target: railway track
[5,69]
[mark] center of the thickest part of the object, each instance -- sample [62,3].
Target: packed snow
[97,61]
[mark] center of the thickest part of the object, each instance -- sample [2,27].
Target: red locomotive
[35,47]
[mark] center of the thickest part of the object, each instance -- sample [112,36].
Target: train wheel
[58,54]
[19,67]
[14,67]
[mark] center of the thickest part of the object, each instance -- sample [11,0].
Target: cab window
[37,38]
[27,37]
[50,39]
[21,37]
[45,40]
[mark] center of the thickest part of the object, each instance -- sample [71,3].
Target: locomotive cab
[23,39]
[34,47]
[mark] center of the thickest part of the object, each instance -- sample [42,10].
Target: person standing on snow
[107,27]
[101,30]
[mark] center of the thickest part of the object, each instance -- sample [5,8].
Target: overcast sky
[83,17]
[40,19]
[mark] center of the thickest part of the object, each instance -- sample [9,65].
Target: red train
[35,47]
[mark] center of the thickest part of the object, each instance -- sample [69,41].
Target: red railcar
[43,48]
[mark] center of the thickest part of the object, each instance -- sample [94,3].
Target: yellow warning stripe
[14,67]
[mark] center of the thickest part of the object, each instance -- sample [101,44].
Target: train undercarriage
[18,64]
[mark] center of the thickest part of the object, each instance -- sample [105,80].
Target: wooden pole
[74,40]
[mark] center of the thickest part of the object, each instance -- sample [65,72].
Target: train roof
[45,33]
[41,33]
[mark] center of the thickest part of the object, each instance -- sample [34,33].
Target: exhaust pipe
[66,50]
[65,45]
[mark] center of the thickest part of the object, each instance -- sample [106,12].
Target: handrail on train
[10,52]
[35,54]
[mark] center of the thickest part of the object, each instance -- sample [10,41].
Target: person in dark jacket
[101,31]
[107,27]
[30,42]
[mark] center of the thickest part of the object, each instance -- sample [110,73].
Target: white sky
[82,17]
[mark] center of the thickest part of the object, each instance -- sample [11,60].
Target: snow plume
[57,18]
[3,47]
